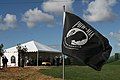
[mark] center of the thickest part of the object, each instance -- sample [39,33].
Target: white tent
[32,46]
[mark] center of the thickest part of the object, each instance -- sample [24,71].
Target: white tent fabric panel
[32,46]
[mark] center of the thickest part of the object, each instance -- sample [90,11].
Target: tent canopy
[33,46]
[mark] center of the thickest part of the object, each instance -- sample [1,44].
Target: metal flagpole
[63,56]
[63,66]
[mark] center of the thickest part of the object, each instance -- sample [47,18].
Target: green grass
[115,63]
[109,72]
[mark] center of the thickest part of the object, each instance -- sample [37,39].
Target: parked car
[46,63]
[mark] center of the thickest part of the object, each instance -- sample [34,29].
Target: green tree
[21,55]
[1,49]
[1,52]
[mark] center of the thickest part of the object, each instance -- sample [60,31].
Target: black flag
[83,42]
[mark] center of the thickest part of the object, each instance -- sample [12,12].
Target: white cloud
[115,35]
[85,1]
[119,44]
[111,34]
[56,6]
[100,10]
[32,17]
[9,21]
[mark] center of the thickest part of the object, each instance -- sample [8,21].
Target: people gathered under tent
[49,61]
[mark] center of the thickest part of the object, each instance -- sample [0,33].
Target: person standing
[4,61]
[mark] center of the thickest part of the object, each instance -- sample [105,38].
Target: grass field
[27,73]
[109,72]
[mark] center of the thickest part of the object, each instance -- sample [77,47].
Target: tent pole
[37,57]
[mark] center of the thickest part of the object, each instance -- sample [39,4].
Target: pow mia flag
[83,42]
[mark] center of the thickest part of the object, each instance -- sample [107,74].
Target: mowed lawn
[109,72]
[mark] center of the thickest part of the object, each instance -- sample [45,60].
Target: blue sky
[41,20]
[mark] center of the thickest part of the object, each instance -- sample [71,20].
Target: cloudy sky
[41,20]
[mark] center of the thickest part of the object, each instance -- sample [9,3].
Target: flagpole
[63,56]
[63,76]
